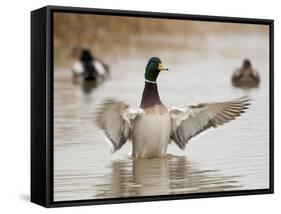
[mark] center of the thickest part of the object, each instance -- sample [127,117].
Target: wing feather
[116,119]
[189,122]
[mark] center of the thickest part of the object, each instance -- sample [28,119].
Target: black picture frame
[42,104]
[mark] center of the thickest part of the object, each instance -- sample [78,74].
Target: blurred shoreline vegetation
[113,36]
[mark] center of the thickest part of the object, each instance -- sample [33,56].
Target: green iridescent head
[153,68]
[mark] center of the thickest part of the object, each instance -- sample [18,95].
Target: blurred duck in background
[246,76]
[88,68]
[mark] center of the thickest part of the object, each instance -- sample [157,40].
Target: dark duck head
[86,58]
[150,96]
[246,64]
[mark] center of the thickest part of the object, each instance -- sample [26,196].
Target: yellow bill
[161,67]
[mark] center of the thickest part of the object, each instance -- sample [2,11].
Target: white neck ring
[150,81]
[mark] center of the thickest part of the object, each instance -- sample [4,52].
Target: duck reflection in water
[246,76]
[162,176]
[88,70]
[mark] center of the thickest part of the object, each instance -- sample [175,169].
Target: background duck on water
[201,57]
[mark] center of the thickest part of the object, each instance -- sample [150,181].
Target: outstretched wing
[189,122]
[116,119]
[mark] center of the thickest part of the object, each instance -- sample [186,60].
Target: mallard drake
[153,126]
[89,67]
[246,76]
